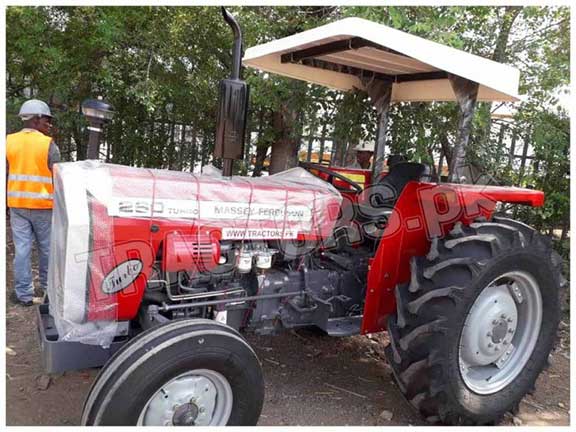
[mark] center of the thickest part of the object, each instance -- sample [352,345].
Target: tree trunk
[446,150]
[205,149]
[261,145]
[511,154]
[523,161]
[107,148]
[261,152]
[440,163]
[338,147]
[80,138]
[501,143]
[510,15]
[181,147]
[171,144]
[151,150]
[285,149]
[500,55]
[431,155]
[310,144]
[565,229]
[193,151]
[322,143]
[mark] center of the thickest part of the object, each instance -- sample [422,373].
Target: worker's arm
[53,155]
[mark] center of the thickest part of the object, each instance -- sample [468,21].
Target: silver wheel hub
[197,398]
[500,332]
[490,326]
[185,415]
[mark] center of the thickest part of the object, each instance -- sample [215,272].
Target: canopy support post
[381,94]
[466,92]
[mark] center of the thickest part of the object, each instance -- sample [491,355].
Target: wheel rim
[500,332]
[200,397]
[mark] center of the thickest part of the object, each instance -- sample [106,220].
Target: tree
[160,68]
[291,103]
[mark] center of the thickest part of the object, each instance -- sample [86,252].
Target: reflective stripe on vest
[30,195]
[30,179]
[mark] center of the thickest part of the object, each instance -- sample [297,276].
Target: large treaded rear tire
[426,330]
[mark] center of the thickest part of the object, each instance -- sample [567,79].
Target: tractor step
[346,326]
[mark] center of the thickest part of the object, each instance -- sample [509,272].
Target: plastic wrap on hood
[111,222]
[79,240]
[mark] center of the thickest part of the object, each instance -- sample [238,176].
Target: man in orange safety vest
[30,155]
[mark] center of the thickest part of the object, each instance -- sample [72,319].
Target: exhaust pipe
[237,51]
[232,107]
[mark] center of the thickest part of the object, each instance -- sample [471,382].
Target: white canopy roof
[335,55]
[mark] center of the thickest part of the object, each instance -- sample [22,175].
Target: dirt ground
[311,379]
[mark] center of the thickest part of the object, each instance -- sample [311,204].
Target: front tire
[186,372]
[475,325]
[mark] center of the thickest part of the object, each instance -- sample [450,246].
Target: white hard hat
[365,146]
[34,107]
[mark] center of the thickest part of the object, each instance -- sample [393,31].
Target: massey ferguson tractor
[156,274]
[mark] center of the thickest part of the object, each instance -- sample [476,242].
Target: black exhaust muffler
[232,107]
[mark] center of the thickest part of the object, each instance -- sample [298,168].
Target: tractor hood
[110,222]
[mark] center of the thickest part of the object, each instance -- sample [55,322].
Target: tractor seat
[389,188]
[377,203]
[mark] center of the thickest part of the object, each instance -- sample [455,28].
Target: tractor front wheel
[184,373]
[475,325]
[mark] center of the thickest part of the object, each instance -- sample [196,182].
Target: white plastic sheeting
[98,207]
[69,269]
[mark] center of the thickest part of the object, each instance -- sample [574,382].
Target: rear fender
[425,211]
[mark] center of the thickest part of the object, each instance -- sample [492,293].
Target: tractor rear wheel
[191,372]
[475,325]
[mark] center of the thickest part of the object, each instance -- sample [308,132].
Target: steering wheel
[331,175]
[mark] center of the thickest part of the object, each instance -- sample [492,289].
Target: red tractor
[158,273]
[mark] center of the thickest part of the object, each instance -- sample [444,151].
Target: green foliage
[354,119]
[154,64]
[160,68]
[550,138]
